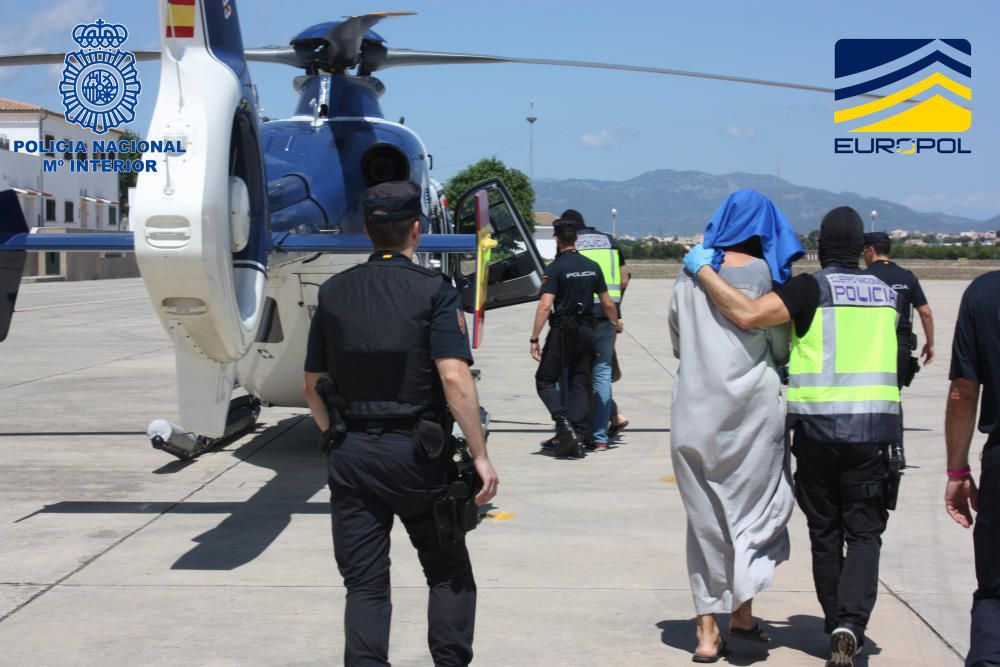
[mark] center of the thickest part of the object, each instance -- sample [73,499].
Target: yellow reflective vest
[842,384]
[599,247]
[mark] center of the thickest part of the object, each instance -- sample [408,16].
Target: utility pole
[531,143]
[614,227]
[874,218]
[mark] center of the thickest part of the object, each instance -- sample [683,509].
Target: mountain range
[665,202]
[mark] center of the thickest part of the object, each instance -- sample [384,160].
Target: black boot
[569,443]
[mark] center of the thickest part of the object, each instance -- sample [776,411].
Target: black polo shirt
[909,293]
[448,336]
[975,351]
[573,279]
[801,298]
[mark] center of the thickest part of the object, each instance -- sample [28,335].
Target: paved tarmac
[111,553]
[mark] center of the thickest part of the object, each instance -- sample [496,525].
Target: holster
[910,369]
[457,513]
[432,438]
[334,436]
[896,462]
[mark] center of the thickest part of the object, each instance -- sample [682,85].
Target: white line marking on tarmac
[80,303]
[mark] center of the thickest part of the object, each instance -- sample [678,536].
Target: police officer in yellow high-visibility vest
[843,407]
[603,249]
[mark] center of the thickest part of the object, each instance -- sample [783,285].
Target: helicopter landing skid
[173,439]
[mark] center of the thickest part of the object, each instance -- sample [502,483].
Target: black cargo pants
[838,486]
[573,352]
[372,479]
[984,648]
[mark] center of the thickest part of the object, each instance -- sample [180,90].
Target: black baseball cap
[871,238]
[391,201]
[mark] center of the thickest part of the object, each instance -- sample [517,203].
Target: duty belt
[377,426]
[571,321]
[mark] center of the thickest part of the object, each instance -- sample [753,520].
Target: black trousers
[985,641]
[574,353]
[371,481]
[839,488]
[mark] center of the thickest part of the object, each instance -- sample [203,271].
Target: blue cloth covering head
[748,213]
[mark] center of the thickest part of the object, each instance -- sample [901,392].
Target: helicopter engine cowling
[200,219]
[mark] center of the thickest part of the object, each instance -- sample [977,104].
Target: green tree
[126,180]
[514,180]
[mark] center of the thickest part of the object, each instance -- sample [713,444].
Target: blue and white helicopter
[234,235]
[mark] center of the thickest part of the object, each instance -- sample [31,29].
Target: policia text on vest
[842,371]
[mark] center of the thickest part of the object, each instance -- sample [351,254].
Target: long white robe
[728,443]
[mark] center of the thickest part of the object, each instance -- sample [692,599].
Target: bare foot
[709,637]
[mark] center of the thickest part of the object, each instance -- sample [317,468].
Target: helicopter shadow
[252,525]
[289,448]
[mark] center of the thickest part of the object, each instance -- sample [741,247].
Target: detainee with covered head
[728,422]
[843,409]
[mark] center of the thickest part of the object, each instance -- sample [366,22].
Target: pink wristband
[961,473]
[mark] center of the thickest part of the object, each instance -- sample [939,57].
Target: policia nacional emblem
[100,86]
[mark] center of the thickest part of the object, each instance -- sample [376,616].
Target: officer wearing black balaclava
[843,409]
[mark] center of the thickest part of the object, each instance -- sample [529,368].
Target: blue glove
[698,257]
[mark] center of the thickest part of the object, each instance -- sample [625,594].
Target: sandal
[754,634]
[721,652]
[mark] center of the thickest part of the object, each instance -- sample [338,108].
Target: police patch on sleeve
[461,320]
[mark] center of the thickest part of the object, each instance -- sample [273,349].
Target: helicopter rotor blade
[281,55]
[410,57]
[60,58]
[345,38]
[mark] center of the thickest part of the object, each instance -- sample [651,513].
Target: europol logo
[100,86]
[902,86]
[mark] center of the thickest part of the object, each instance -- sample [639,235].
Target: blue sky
[602,124]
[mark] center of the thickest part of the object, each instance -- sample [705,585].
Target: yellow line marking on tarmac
[498,516]
[669,479]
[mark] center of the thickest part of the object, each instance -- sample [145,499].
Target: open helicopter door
[513,268]
[200,220]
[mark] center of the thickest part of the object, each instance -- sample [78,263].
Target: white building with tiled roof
[62,198]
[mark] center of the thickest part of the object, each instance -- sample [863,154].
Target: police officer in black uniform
[570,283]
[388,352]
[909,297]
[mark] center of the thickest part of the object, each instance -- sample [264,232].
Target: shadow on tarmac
[252,525]
[801,632]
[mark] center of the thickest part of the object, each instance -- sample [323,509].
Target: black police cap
[392,201]
[871,238]
[575,216]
